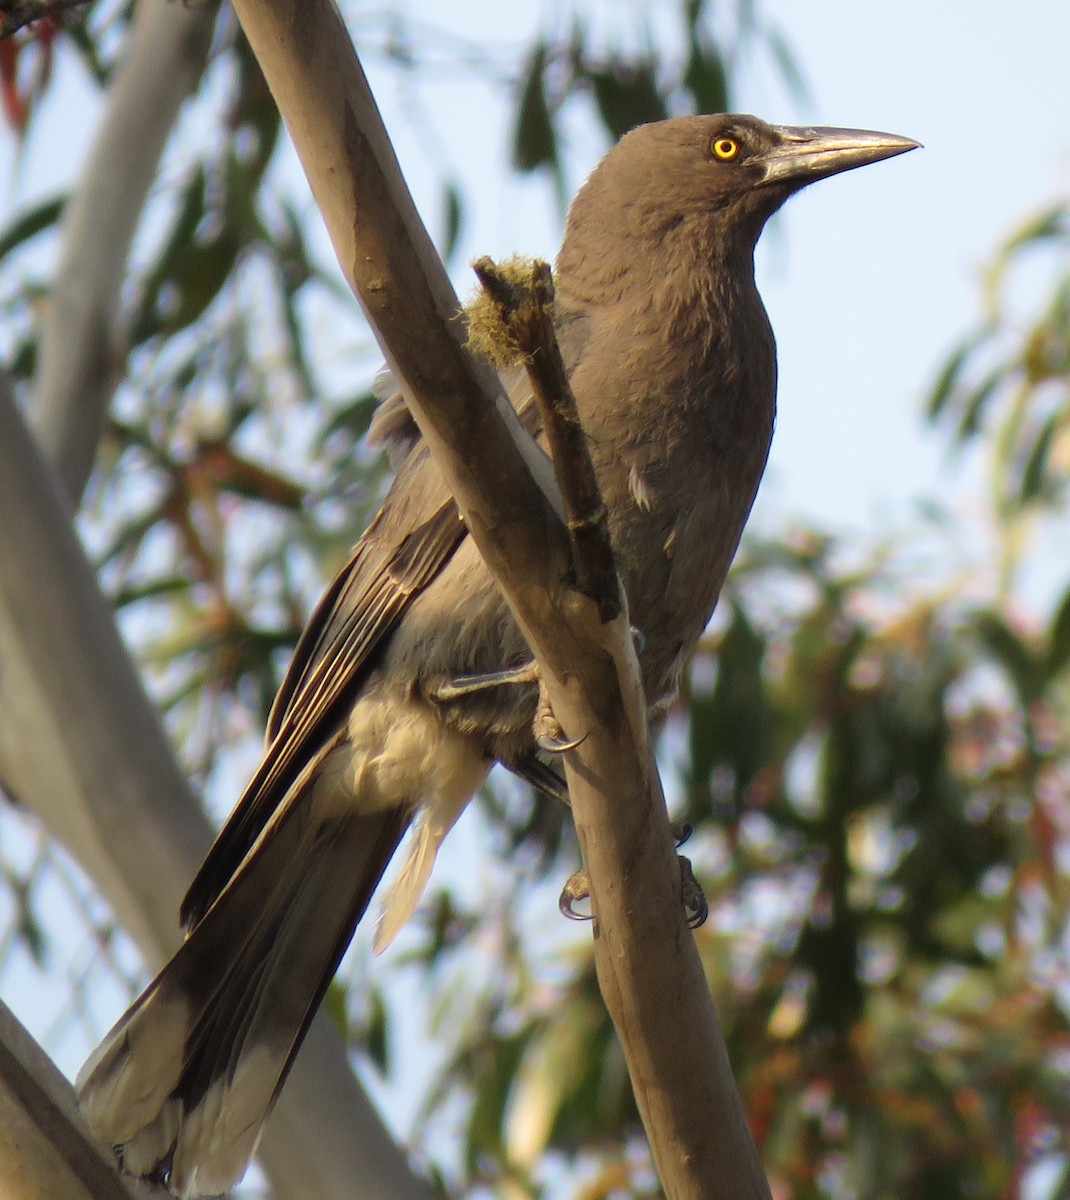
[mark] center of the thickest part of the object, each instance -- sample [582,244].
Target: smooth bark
[82,348]
[647,963]
[46,1151]
[82,747]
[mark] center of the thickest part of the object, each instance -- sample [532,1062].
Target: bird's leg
[466,685]
[549,736]
[696,906]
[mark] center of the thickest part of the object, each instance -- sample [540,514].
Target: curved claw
[549,736]
[578,887]
[639,638]
[696,906]
[681,831]
[554,745]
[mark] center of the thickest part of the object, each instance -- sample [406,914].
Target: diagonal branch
[46,1151]
[81,353]
[525,307]
[81,745]
[647,963]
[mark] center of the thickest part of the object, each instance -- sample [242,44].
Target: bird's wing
[411,539]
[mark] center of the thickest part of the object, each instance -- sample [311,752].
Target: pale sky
[869,278]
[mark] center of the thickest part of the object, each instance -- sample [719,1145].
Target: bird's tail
[182,1084]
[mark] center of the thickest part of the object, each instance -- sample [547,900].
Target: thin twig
[527,312]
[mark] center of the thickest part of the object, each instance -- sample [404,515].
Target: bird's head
[717,178]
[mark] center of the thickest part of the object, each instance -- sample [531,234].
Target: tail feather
[182,1084]
[406,891]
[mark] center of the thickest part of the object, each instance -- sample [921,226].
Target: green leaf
[975,403]
[534,142]
[731,728]
[1010,651]
[191,212]
[1036,468]
[948,380]
[454,210]
[151,590]
[1059,639]
[693,10]
[352,418]
[336,1006]
[627,94]
[1052,224]
[377,1033]
[23,361]
[497,1061]
[29,224]
[254,111]
[705,77]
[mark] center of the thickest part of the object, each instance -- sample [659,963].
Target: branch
[525,310]
[81,351]
[46,1151]
[648,967]
[82,747]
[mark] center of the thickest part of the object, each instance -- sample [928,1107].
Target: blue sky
[881,268]
[869,278]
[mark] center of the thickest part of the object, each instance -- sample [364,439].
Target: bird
[411,678]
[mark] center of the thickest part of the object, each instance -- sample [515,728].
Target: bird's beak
[805,155]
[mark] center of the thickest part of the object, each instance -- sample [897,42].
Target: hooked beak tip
[805,155]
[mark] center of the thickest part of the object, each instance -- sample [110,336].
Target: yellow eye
[725,149]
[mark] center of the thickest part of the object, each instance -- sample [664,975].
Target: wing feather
[388,568]
[411,540]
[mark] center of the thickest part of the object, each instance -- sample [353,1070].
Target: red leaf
[14,104]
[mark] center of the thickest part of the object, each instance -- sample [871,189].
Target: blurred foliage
[628,88]
[877,774]
[1009,379]
[881,802]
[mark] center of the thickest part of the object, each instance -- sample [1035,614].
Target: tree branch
[82,747]
[82,354]
[647,963]
[46,1151]
[525,308]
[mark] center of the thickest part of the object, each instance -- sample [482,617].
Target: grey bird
[410,682]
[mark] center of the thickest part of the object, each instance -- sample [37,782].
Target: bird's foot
[549,736]
[681,831]
[577,888]
[696,906]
